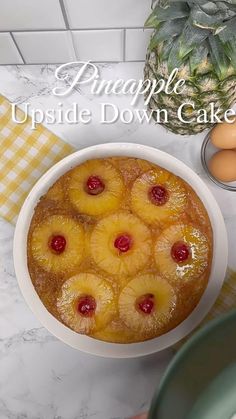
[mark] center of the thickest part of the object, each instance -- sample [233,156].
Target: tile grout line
[64,14]
[17,47]
[70,29]
[65,17]
[95,62]
[73,45]
[124,44]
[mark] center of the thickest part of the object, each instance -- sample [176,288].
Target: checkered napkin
[26,155]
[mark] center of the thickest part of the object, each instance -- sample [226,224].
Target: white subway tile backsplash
[136,42]
[99,45]
[84,14]
[45,47]
[56,31]
[30,14]
[8,51]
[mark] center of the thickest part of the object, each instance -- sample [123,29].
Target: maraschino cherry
[146,303]
[94,185]
[86,305]
[123,243]
[58,244]
[158,195]
[180,252]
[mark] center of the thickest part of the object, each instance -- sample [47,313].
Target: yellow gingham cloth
[26,155]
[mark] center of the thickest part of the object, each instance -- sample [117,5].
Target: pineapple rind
[203,80]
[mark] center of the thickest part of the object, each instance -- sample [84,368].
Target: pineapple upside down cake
[120,249]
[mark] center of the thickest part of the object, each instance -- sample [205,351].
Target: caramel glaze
[48,286]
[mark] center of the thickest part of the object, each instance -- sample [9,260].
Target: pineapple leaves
[152,21]
[169,29]
[212,8]
[165,50]
[198,55]
[230,50]
[228,40]
[173,60]
[191,3]
[191,29]
[226,1]
[203,20]
[153,3]
[219,58]
[173,11]
[190,38]
[209,7]
[229,31]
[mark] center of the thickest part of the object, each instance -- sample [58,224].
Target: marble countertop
[40,377]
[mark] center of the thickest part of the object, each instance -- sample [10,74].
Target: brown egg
[222,165]
[224,135]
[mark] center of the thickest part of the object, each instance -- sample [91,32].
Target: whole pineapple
[199,38]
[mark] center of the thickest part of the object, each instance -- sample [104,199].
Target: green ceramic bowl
[200,382]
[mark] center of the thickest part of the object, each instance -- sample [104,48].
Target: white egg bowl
[85,343]
[207,152]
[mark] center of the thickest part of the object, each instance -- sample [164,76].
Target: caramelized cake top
[120,249]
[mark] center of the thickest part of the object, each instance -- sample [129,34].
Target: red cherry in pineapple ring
[123,243]
[158,195]
[58,244]
[180,252]
[146,303]
[86,305]
[94,185]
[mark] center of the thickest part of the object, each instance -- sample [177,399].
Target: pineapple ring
[143,206]
[197,262]
[108,257]
[86,284]
[71,257]
[106,201]
[164,298]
